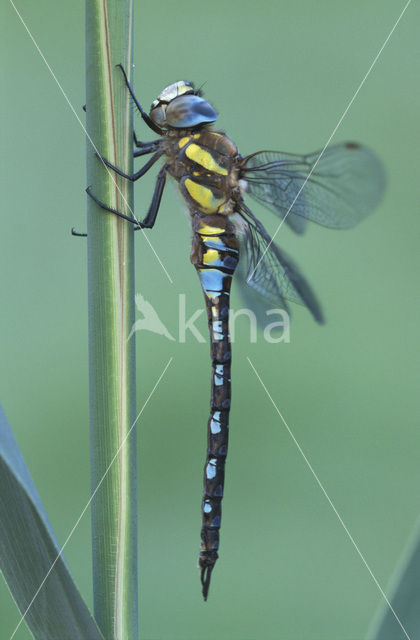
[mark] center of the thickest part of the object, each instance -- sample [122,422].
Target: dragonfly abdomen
[215,255]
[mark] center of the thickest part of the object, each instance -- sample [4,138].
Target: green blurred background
[280,75]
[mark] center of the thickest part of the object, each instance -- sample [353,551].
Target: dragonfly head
[180,107]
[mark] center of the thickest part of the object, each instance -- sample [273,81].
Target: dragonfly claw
[77,234]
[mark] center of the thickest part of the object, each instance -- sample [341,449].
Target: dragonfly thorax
[179,107]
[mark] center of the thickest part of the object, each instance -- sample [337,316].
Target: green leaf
[28,550]
[404,599]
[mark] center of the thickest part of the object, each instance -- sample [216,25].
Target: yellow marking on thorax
[203,196]
[182,142]
[211,255]
[204,158]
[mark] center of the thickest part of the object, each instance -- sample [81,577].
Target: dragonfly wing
[298,224]
[252,298]
[346,184]
[268,271]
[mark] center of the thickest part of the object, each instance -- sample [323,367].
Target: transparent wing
[272,275]
[345,186]
[296,223]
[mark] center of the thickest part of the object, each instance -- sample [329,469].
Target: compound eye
[189,111]
[158,114]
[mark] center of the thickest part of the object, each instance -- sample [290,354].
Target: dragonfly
[336,188]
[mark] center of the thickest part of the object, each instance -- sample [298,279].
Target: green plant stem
[111,315]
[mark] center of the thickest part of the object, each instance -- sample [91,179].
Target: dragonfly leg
[107,208]
[136,175]
[84,235]
[147,119]
[140,144]
[150,218]
[152,212]
[147,147]
[78,235]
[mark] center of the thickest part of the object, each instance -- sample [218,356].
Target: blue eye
[189,111]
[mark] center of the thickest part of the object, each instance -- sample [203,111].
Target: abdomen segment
[215,255]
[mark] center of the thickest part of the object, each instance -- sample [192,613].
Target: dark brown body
[206,167]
